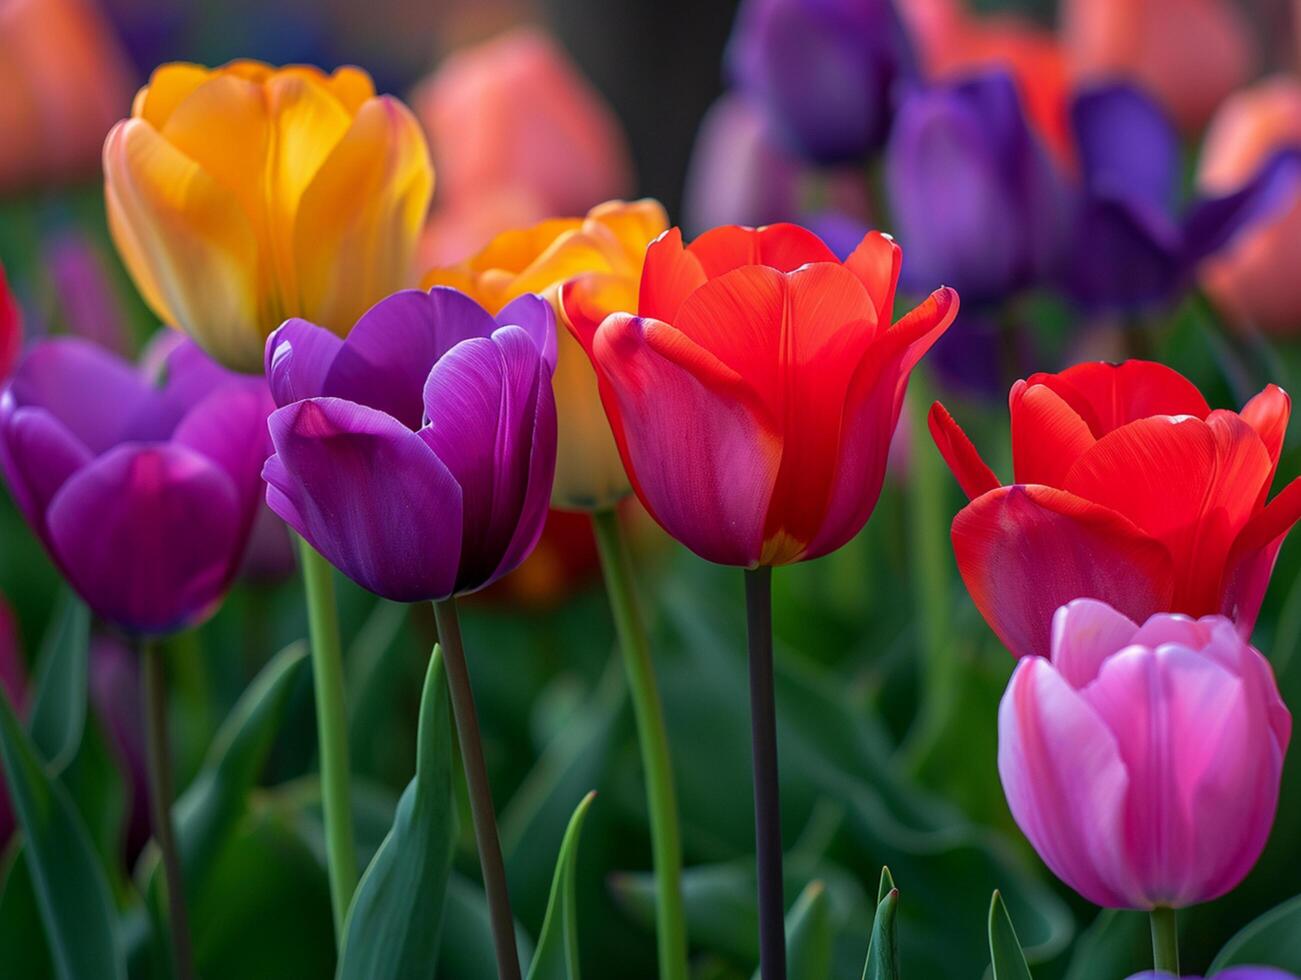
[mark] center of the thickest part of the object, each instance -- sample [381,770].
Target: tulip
[243,195]
[1128,489]
[1143,763]
[754,394]
[1189,54]
[1254,280]
[1131,248]
[11,327]
[65,79]
[825,71]
[603,254]
[417,454]
[517,135]
[975,194]
[143,494]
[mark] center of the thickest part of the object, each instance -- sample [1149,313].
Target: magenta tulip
[1143,763]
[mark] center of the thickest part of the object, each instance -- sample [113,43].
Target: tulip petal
[700,457]
[1065,781]
[298,359]
[369,494]
[38,454]
[537,318]
[586,301]
[877,261]
[1250,564]
[972,473]
[1048,436]
[1023,551]
[1268,413]
[229,427]
[1125,253]
[114,528]
[169,86]
[387,357]
[1108,396]
[1213,224]
[670,274]
[492,423]
[784,247]
[1126,142]
[1085,633]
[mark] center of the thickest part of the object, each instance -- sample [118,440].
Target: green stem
[482,811]
[159,765]
[331,731]
[666,837]
[1165,941]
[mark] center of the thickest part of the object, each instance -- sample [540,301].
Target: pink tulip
[1143,763]
[1254,281]
[1189,54]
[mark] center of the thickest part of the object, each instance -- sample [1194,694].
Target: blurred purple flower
[416,455]
[976,197]
[1130,245]
[143,493]
[89,305]
[824,71]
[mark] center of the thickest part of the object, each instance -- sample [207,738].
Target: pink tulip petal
[1085,633]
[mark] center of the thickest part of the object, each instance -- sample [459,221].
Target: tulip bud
[244,195]
[1143,763]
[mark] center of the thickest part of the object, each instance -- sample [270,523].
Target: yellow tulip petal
[359,219]
[634,223]
[168,87]
[186,242]
[249,69]
[351,86]
[517,249]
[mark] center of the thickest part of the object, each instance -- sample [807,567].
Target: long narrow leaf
[1004,948]
[557,953]
[58,714]
[883,950]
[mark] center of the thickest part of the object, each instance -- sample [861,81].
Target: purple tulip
[824,71]
[1132,247]
[1236,973]
[141,490]
[976,198]
[417,455]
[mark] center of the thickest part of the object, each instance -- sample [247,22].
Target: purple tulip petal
[117,525]
[1212,224]
[230,428]
[1125,253]
[369,494]
[388,355]
[95,394]
[535,316]
[483,400]
[1127,145]
[38,455]
[299,355]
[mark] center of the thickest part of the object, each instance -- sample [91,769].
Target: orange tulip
[602,256]
[1254,281]
[65,80]
[244,195]
[1190,54]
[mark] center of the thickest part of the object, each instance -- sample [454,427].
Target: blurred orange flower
[517,135]
[1190,54]
[1255,281]
[65,82]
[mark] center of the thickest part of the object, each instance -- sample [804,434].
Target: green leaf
[883,950]
[72,893]
[1274,939]
[467,951]
[1004,948]
[394,923]
[58,714]
[1117,944]
[809,935]
[557,952]
[22,942]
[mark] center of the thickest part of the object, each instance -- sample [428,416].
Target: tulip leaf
[883,949]
[393,926]
[22,942]
[58,714]
[1004,948]
[557,952]
[72,892]
[809,935]
[1273,939]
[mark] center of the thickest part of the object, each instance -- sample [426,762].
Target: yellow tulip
[606,247]
[244,195]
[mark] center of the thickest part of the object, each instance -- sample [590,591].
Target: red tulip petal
[1268,414]
[972,473]
[876,261]
[1023,551]
[1048,436]
[1251,564]
[1108,396]
[784,247]
[669,275]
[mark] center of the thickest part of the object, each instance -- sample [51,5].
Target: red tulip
[1130,490]
[754,396]
[11,328]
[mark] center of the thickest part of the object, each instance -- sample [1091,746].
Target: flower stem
[666,837]
[767,803]
[1165,941]
[331,731]
[159,764]
[476,778]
